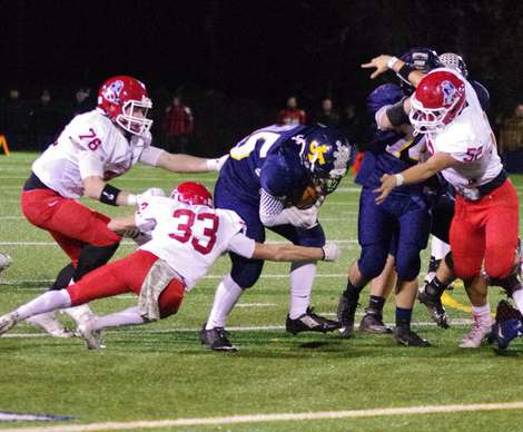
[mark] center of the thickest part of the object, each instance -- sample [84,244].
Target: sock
[403,317]
[376,304]
[482,312]
[435,287]
[352,292]
[130,316]
[227,294]
[517,296]
[301,280]
[47,302]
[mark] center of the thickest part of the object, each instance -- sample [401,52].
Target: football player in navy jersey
[399,227]
[266,173]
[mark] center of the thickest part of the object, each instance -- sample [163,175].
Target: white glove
[152,192]
[5,261]
[306,218]
[331,252]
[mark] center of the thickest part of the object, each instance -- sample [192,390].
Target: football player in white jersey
[91,150]
[485,226]
[187,236]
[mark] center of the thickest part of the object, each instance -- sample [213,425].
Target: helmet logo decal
[316,153]
[112,92]
[341,157]
[449,90]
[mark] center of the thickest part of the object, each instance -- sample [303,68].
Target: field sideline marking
[275,417]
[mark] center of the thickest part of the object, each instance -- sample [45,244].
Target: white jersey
[190,238]
[470,140]
[91,145]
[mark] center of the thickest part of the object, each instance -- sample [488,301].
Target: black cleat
[373,323]
[405,336]
[216,339]
[310,321]
[435,307]
[345,313]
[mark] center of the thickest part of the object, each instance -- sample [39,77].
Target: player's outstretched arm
[416,174]
[384,62]
[95,188]
[289,252]
[186,163]
[122,225]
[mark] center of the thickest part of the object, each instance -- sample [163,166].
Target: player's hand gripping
[331,252]
[303,218]
[388,182]
[381,63]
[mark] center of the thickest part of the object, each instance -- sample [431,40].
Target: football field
[158,377]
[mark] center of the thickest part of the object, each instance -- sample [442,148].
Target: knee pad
[372,260]
[408,263]
[245,272]
[93,257]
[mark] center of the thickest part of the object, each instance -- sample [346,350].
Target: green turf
[161,371]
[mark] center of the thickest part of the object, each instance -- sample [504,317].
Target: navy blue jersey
[268,158]
[482,93]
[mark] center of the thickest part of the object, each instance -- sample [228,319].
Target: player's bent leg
[47,302]
[482,321]
[405,299]
[430,295]
[380,289]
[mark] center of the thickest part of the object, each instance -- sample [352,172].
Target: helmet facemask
[433,120]
[133,117]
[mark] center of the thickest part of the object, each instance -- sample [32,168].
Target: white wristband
[132,199]
[212,164]
[399,179]
[392,61]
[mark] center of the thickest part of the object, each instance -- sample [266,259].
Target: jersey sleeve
[89,139]
[150,155]
[242,245]
[144,216]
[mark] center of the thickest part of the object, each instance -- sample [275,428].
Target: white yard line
[275,417]
[141,330]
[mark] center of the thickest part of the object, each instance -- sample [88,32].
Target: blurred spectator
[351,125]
[14,120]
[327,114]
[178,126]
[83,101]
[46,121]
[292,114]
[511,132]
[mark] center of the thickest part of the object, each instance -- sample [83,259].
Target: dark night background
[237,61]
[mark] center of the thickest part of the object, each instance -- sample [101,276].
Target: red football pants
[71,224]
[123,276]
[486,230]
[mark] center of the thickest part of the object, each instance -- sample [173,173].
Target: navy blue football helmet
[325,153]
[385,94]
[422,59]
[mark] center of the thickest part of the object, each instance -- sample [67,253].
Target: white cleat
[91,337]
[49,323]
[5,261]
[481,328]
[7,322]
